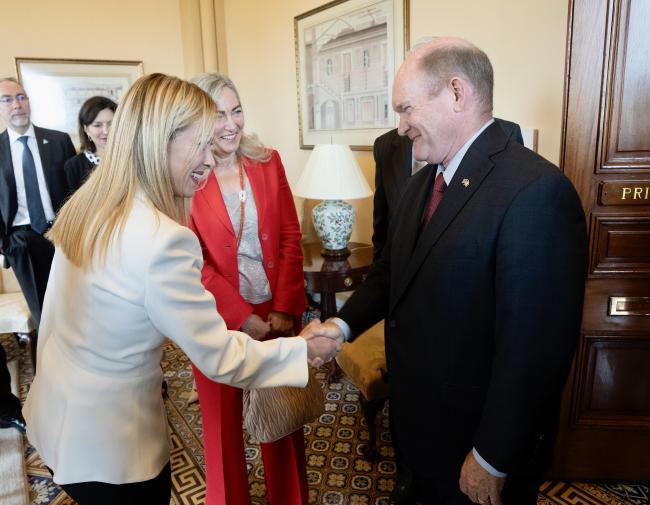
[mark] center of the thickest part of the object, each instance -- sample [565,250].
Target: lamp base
[333,221]
[335,254]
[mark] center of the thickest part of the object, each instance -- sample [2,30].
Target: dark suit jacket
[482,309]
[393,171]
[55,148]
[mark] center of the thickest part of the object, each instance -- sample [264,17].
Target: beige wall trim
[203,36]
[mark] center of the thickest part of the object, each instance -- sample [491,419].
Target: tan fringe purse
[273,413]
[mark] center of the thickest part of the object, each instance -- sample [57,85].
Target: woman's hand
[256,327]
[281,322]
[321,350]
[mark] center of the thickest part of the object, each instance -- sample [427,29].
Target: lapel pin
[465,182]
[44,141]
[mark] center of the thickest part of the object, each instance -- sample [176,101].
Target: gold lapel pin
[465,182]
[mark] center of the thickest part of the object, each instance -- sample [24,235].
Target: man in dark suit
[32,188]
[481,284]
[394,166]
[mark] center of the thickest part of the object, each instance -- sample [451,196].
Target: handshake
[324,341]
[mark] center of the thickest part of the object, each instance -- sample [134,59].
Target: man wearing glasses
[32,188]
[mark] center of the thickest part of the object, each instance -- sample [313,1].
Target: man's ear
[459,89]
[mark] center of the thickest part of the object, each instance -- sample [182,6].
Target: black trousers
[30,256]
[156,491]
[9,404]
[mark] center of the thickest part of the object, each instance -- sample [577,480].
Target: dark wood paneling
[605,427]
[627,135]
[614,387]
[622,245]
[585,67]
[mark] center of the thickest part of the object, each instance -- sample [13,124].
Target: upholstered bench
[15,316]
[364,362]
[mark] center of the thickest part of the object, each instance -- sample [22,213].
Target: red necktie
[435,198]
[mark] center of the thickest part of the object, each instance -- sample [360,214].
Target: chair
[15,316]
[364,362]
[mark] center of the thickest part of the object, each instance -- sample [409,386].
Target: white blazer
[95,411]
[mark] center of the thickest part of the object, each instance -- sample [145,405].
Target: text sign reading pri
[625,193]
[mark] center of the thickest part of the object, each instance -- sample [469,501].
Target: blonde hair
[250,145]
[152,111]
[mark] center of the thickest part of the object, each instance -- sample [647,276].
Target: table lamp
[332,174]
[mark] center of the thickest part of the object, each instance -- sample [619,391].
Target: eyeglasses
[8,100]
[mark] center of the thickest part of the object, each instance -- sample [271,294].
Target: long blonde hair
[152,111]
[250,145]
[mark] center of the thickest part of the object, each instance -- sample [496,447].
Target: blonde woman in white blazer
[126,275]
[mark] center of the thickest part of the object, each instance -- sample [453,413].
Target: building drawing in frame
[58,87]
[347,53]
[347,70]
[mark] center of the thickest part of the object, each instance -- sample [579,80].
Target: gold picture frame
[347,53]
[57,87]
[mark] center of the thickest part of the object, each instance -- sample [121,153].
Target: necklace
[242,203]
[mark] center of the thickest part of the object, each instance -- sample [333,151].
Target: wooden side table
[328,277]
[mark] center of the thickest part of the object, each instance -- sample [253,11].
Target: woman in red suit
[246,221]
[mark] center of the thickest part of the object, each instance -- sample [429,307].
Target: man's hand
[478,484]
[280,321]
[322,334]
[256,327]
[317,329]
[321,350]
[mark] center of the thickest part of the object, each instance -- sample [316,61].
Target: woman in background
[95,119]
[246,222]
[127,274]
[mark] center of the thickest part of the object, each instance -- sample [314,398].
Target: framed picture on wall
[347,53]
[57,87]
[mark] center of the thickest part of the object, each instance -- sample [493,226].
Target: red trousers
[285,467]
[225,465]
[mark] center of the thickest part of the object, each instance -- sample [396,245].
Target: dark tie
[34,203]
[435,197]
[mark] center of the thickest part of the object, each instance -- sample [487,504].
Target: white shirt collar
[449,171]
[13,135]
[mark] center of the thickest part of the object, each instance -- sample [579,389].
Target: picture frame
[58,87]
[347,53]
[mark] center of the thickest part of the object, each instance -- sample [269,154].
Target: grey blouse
[253,282]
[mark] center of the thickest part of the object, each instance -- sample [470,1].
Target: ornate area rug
[13,481]
[337,473]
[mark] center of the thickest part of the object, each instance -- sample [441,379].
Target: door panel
[605,419]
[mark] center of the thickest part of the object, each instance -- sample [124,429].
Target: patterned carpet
[337,473]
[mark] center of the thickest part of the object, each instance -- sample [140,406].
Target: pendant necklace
[242,203]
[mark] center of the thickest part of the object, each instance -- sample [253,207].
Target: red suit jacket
[279,233]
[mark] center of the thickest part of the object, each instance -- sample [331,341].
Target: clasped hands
[323,339]
[324,342]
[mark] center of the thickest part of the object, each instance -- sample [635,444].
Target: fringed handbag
[273,413]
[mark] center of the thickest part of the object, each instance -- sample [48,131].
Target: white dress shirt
[22,214]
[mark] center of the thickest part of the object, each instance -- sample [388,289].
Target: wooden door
[605,420]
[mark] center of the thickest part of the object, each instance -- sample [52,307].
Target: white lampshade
[332,173]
